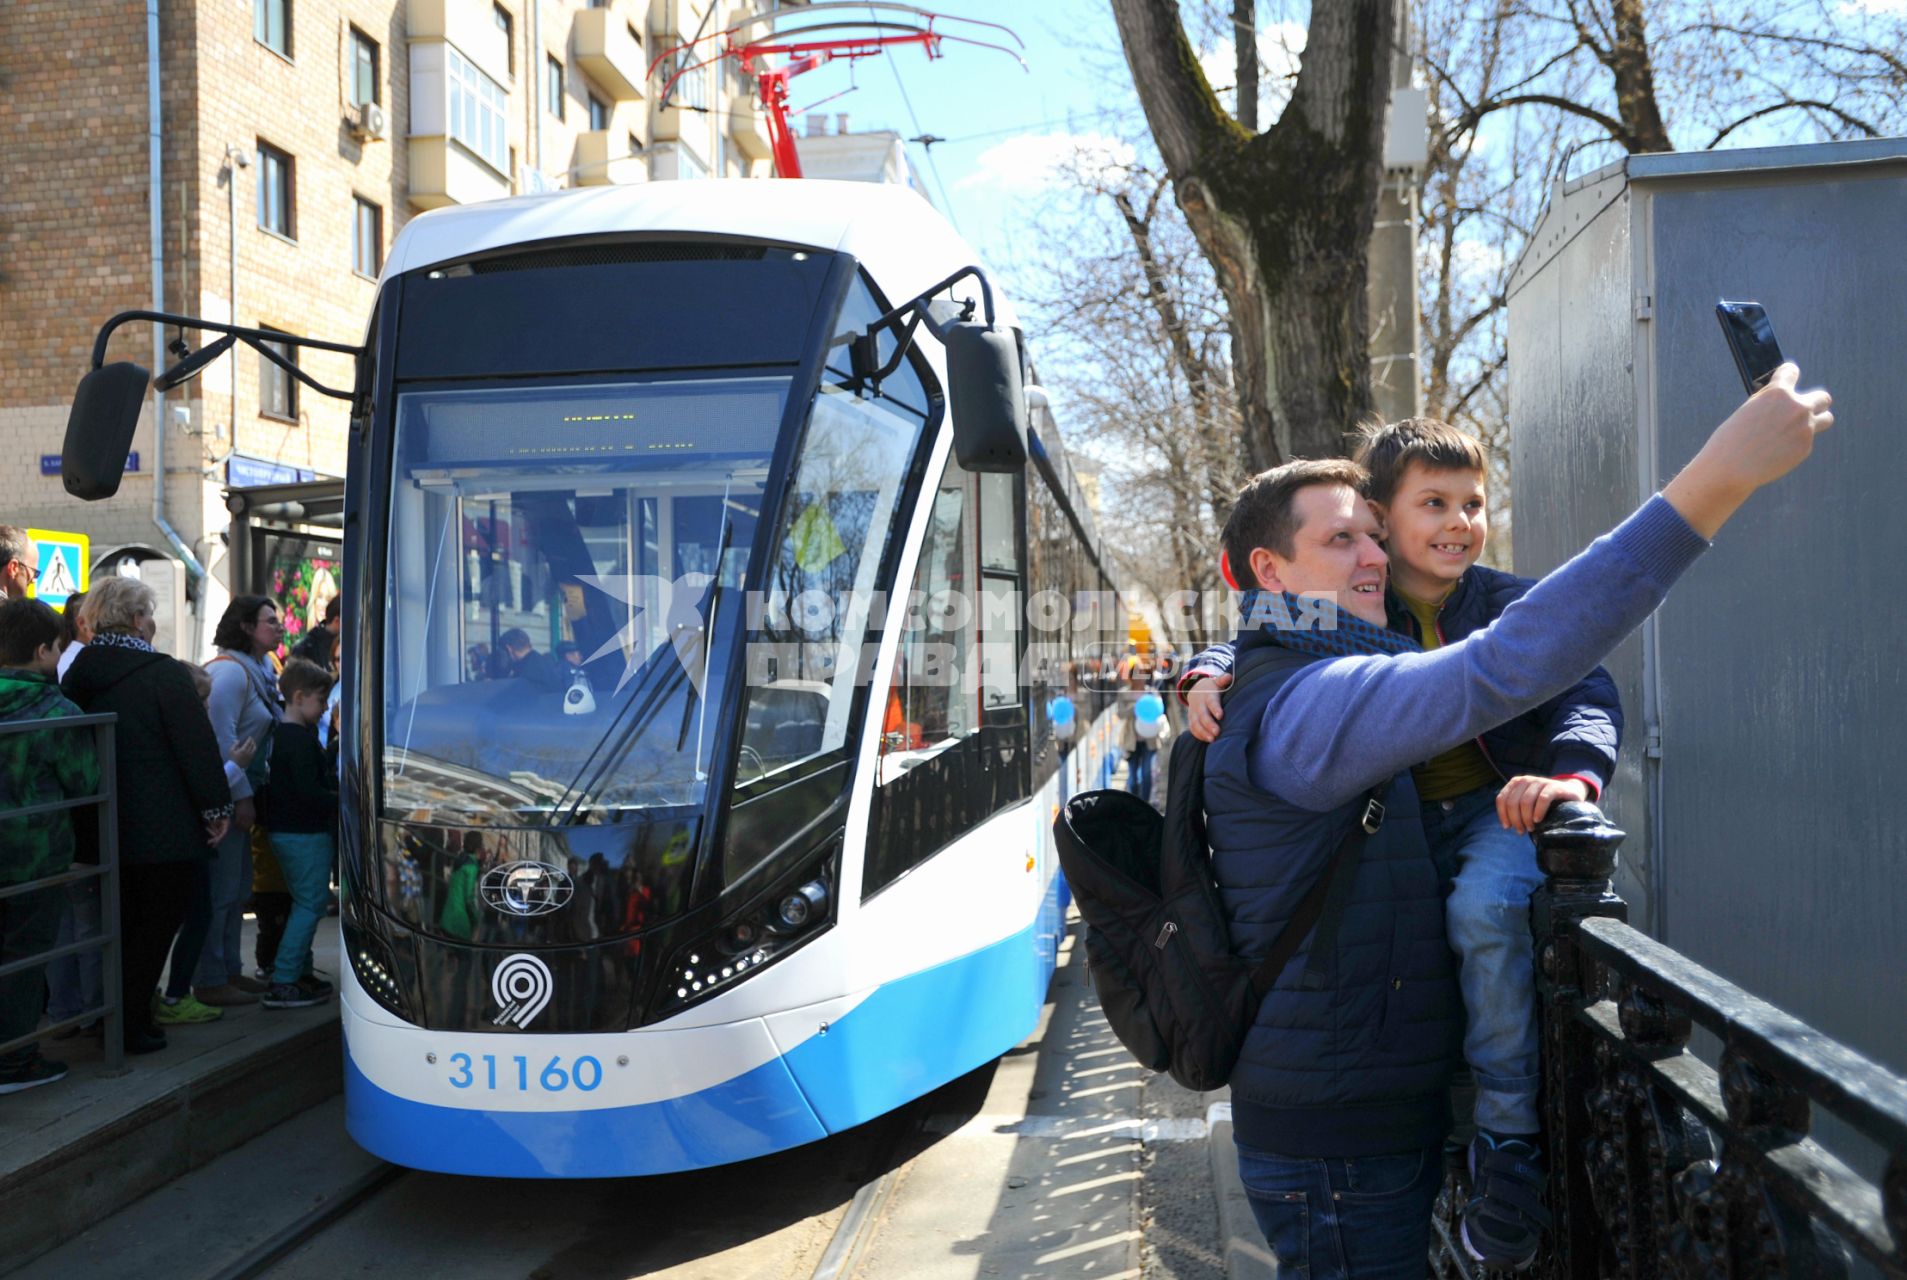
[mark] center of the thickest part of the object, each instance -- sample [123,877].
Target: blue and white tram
[700,760]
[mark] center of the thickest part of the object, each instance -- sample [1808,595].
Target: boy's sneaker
[186,1009]
[313,985]
[1504,1221]
[31,1074]
[289,995]
[250,985]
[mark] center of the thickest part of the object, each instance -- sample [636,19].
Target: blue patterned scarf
[1317,627]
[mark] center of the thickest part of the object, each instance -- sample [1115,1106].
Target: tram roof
[902,241]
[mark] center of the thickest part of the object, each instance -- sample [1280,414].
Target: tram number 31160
[487,1070]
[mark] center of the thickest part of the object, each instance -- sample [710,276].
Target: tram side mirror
[99,430]
[989,407]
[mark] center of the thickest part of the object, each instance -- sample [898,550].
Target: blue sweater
[1338,727]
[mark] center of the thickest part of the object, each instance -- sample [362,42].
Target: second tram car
[706,718]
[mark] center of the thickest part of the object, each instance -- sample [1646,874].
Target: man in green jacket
[36,767]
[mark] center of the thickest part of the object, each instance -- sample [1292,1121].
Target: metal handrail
[107,941]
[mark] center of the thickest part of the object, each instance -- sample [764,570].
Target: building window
[635,35]
[277,389]
[367,238]
[476,112]
[554,102]
[271,25]
[691,89]
[507,25]
[277,189]
[364,69]
[598,113]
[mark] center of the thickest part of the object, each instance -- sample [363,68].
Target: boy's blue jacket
[1577,732]
[1361,1065]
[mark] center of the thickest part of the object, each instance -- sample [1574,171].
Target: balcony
[609,54]
[468,24]
[443,173]
[603,159]
[748,122]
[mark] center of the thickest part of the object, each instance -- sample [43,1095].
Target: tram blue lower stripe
[910,1036]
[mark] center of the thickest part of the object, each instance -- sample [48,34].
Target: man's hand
[1770,435]
[1202,705]
[242,752]
[245,814]
[216,829]
[1525,801]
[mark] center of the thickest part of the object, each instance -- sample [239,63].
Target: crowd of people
[227,801]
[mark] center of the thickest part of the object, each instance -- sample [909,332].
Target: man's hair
[116,603]
[515,638]
[1265,514]
[69,618]
[301,675]
[14,544]
[201,679]
[239,617]
[25,625]
[333,608]
[1388,450]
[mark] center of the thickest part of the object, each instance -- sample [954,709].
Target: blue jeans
[305,860]
[1492,873]
[1139,772]
[220,959]
[1365,1218]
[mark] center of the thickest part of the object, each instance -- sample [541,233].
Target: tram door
[954,745]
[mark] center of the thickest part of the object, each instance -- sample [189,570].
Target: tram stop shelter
[1765,700]
[286,542]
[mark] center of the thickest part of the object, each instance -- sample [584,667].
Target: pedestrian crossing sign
[62,568]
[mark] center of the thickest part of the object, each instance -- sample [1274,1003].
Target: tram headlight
[767,929]
[803,905]
[376,969]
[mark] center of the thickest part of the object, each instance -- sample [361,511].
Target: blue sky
[1000,123]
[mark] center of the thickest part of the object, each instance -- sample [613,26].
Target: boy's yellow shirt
[1460,769]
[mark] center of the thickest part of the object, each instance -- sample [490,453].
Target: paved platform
[75,1152]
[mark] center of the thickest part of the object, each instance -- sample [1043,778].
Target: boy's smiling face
[1436,527]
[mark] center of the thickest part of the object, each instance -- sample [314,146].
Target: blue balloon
[1060,710]
[1149,707]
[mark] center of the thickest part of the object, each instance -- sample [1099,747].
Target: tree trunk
[1283,216]
[1634,71]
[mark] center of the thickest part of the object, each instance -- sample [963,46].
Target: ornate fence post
[1576,850]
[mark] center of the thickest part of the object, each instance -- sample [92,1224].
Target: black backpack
[1172,988]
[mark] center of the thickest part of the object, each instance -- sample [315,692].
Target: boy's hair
[25,625]
[201,679]
[116,603]
[301,675]
[333,607]
[1264,514]
[1387,451]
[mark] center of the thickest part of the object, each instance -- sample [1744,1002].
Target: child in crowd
[36,767]
[1479,801]
[303,821]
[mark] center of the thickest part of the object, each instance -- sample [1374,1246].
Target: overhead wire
[927,151]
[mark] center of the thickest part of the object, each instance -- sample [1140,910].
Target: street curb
[1246,1255]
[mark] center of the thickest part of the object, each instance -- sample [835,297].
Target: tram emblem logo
[522,986]
[526,888]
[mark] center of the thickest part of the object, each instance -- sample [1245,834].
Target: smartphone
[1752,340]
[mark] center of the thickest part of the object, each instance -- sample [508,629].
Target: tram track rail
[281,1244]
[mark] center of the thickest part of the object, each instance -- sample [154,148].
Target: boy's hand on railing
[242,752]
[1204,706]
[1526,800]
[215,830]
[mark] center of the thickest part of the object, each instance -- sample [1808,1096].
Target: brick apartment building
[293,139]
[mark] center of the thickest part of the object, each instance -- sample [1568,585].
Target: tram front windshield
[566,585]
[559,557]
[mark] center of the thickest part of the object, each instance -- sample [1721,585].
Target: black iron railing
[1661,1165]
[107,940]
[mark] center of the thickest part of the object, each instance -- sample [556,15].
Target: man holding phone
[1340,1095]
